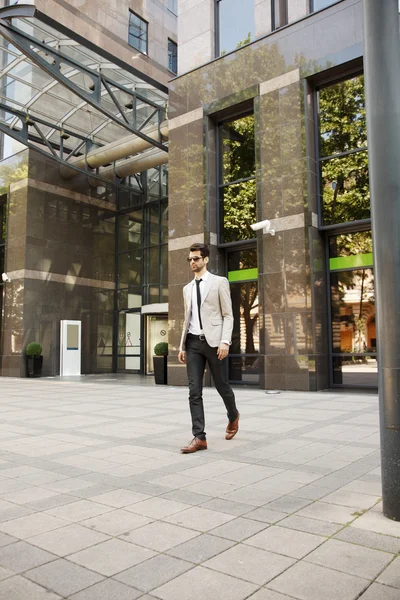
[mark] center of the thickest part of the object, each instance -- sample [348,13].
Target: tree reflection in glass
[237,179]
[344,160]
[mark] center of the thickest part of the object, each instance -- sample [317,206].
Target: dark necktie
[199,300]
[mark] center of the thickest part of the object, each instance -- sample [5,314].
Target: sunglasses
[195,258]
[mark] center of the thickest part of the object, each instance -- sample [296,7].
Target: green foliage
[10,173]
[239,211]
[238,162]
[33,349]
[347,244]
[246,40]
[342,116]
[344,180]
[161,349]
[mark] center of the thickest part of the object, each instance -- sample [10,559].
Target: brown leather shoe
[232,428]
[194,445]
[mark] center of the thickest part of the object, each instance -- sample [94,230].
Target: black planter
[34,366]
[160,369]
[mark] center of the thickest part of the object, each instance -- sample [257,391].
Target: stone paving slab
[97,503]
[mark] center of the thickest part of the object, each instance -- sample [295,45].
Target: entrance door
[129,337]
[244,361]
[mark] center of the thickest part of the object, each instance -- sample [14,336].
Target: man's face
[198,263]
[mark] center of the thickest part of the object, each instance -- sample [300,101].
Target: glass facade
[344,180]
[172,56]
[142,262]
[3,209]
[345,199]
[237,184]
[236,24]
[244,362]
[138,32]
[100,245]
[353,324]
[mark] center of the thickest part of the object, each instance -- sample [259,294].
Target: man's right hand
[182,357]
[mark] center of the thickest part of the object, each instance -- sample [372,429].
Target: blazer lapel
[207,285]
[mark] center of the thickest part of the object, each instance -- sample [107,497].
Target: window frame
[217,37]
[348,225]
[171,41]
[329,231]
[232,116]
[285,5]
[144,52]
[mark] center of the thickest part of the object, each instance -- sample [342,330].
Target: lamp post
[382,81]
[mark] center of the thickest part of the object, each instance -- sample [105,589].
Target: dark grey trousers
[198,353]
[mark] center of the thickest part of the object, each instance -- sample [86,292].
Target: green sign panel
[351,262]
[242,275]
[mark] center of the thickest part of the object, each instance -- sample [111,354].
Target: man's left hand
[222,351]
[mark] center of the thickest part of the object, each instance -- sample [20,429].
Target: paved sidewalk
[97,503]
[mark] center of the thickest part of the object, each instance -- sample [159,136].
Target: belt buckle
[202,337]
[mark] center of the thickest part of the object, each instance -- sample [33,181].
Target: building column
[382,68]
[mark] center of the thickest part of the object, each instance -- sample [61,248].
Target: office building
[83,108]
[267,122]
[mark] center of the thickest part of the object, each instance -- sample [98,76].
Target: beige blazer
[215,310]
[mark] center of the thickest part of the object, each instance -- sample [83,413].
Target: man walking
[206,338]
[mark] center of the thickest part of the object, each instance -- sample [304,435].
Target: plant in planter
[160,363]
[34,359]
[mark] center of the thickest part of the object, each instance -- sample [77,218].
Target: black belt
[200,337]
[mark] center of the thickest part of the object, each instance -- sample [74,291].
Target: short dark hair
[202,248]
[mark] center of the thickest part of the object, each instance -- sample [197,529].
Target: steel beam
[52,62]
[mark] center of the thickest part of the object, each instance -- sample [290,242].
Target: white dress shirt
[194,323]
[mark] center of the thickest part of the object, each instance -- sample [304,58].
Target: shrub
[33,349]
[161,349]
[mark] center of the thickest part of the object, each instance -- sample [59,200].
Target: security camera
[265,226]
[5,278]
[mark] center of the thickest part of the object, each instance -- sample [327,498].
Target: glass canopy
[72,91]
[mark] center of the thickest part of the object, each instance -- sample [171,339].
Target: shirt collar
[204,277]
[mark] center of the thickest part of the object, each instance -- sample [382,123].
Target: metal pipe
[131,166]
[126,146]
[135,164]
[382,68]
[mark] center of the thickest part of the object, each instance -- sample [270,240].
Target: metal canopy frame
[26,136]
[33,131]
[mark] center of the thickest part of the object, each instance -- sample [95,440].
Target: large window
[353,326]
[237,184]
[345,216]
[343,162]
[143,245]
[172,56]
[235,24]
[138,29]
[279,10]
